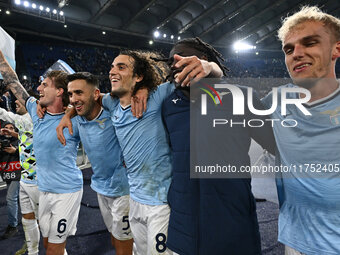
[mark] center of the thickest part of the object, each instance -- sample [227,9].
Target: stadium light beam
[241,46]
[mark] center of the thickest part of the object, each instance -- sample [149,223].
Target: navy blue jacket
[210,216]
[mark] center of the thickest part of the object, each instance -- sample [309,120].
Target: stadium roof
[132,23]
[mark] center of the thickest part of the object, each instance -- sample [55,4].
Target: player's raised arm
[11,80]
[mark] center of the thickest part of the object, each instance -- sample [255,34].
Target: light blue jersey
[145,147]
[57,171]
[309,217]
[101,145]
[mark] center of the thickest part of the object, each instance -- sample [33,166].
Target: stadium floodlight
[257,53]
[178,38]
[172,37]
[156,34]
[24,77]
[61,13]
[26,4]
[164,35]
[65,26]
[241,46]
[150,42]
[8,12]
[47,9]
[54,11]
[34,6]
[104,33]
[17,2]
[41,8]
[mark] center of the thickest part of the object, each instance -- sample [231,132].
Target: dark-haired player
[209,216]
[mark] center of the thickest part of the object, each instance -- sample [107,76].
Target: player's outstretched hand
[41,111]
[194,69]
[64,122]
[138,102]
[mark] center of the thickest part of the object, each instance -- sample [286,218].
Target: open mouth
[301,67]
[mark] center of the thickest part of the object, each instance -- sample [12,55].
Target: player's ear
[96,94]
[336,51]
[139,78]
[60,92]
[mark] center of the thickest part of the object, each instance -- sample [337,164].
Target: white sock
[65,252]
[32,235]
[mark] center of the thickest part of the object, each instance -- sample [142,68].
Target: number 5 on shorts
[126,220]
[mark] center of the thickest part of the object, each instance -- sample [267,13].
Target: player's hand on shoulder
[138,102]
[65,122]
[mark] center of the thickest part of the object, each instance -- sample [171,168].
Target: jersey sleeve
[163,91]
[109,102]
[31,106]
[8,116]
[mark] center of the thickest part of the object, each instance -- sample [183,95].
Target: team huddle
[137,138]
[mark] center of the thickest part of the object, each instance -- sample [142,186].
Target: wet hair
[144,65]
[206,49]
[88,77]
[310,13]
[59,79]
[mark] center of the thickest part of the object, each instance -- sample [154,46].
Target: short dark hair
[88,77]
[59,79]
[145,66]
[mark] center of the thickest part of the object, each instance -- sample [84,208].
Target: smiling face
[121,76]
[83,97]
[310,51]
[47,92]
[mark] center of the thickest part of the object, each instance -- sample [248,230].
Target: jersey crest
[101,123]
[334,115]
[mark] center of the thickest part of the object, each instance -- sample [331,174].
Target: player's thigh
[158,222]
[29,199]
[64,216]
[138,225]
[115,212]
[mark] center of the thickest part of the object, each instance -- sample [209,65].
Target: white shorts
[115,212]
[58,215]
[29,198]
[149,225]
[290,251]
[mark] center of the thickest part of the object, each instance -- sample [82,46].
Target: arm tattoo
[11,80]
